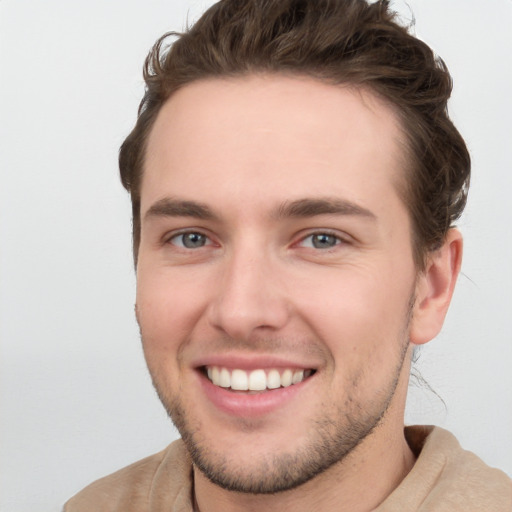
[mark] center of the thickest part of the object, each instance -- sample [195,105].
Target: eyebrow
[310,207]
[169,207]
[307,207]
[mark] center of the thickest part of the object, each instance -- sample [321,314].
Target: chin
[326,441]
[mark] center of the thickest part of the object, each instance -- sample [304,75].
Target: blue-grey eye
[323,240]
[190,240]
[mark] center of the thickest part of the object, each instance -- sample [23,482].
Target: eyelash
[338,240]
[182,234]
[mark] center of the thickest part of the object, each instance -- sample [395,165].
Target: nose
[250,298]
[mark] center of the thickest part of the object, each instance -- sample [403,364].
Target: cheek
[167,311]
[362,317]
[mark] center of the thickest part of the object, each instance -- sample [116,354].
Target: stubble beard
[332,438]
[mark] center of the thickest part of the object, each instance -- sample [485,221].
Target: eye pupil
[193,240]
[324,241]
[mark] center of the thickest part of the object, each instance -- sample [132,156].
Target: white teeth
[215,378]
[286,378]
[273,379]
[225,378]
[239,380]
[298,376]
[256,380]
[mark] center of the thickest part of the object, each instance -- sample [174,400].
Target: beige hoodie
[445,478]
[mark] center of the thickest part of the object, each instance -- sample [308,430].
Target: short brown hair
[337,41]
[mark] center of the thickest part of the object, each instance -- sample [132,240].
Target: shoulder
[448,478]
[440,447]
[164,477]
[465,473]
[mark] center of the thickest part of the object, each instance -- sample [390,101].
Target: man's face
[275,253]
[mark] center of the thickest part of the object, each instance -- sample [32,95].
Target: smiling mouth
[255,380]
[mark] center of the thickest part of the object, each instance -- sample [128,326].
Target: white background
[76,402]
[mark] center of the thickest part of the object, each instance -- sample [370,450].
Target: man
[295,180]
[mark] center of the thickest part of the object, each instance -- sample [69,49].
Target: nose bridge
[248,297]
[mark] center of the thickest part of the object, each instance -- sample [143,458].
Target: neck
[359,483]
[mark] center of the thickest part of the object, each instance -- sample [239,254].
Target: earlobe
[434,289]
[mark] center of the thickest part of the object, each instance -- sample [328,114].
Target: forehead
[272,135]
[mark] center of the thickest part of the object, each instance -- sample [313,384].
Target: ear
[434,289]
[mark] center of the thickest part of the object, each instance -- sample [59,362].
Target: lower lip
[251,405]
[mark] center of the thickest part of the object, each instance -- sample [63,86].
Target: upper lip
[251,362]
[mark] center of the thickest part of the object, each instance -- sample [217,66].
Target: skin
[225,160]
